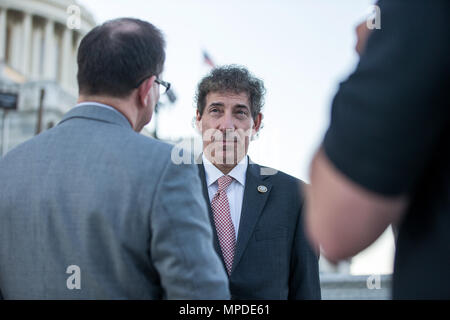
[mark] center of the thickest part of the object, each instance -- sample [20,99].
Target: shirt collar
[92,103]
[237,173]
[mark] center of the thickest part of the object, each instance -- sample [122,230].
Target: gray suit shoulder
[169,152]
[149,142]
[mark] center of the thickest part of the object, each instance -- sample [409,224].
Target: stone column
[49,51]
[2,34]
[79,37]
[15,49]
[66,59]
[36,54]
[26,43]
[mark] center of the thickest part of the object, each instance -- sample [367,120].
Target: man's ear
[144,89]
[257,123]
[198,118]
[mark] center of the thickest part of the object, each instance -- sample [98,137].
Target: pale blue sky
[302,49]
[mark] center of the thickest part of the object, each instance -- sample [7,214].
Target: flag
[207,59]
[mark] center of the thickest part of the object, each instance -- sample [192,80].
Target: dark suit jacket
[273,259]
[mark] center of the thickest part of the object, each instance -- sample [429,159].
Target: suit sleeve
[181,238]
[304,282]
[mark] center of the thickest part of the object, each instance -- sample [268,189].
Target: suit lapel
[252,207]
[201,170]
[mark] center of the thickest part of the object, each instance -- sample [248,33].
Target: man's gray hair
[232,78]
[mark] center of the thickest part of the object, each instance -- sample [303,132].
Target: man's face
[227,126]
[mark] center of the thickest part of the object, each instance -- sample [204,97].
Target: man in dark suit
[255,211]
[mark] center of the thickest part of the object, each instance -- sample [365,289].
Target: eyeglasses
[165,84]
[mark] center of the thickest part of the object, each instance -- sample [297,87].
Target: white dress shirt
[235,191]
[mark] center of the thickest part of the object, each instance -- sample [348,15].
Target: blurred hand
[362,34]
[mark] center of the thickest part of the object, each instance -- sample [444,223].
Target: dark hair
[232,78]
[115,56]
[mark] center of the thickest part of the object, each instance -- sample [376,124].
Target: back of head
[115,56]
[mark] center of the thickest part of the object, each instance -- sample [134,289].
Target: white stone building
[38,45]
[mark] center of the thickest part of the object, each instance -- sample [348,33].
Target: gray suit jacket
[273,259]
[93,193]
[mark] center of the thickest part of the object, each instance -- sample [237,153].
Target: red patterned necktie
[222,219]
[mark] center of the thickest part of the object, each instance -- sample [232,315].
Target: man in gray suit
[256,212]
[91,209]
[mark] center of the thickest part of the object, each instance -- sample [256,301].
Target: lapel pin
[262,189]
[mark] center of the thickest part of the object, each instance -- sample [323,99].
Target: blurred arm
[342,217]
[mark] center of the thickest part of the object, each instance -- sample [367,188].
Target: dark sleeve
[388,116]
[304,281]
